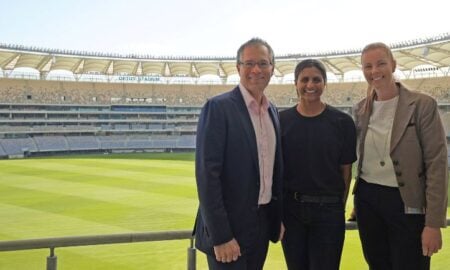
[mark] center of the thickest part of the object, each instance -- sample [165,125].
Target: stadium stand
[18,146]
[156,107]
[51,143]
[52,125]
[76,143]
[2,152]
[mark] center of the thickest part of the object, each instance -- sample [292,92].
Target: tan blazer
[418,151]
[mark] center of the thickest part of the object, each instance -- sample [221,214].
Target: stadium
[56,102]
[69,101]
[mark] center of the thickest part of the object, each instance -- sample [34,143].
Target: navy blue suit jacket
[227,174]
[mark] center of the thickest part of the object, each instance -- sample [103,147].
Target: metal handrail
[89,240]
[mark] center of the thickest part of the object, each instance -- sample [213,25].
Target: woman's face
[310,84]
[378,67]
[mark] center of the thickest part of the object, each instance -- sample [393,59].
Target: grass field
[104,194]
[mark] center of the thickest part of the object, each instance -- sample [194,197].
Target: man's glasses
[250,64]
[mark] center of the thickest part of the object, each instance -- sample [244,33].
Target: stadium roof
[433,51]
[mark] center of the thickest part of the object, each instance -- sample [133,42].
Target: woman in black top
[319,147]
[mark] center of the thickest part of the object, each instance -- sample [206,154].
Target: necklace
[382,162]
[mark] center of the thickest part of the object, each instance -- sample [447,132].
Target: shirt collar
[250,101]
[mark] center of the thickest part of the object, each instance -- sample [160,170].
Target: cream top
[377,165]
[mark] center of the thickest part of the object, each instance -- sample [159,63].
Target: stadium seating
[39,116]
[18,146]
[83,143]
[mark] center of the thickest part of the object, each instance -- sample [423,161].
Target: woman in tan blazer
[402,176]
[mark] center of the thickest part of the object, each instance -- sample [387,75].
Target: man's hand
[431,241]
[227,252]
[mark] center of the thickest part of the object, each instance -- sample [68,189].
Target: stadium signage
[139,78]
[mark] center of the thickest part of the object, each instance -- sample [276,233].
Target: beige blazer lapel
[405,109]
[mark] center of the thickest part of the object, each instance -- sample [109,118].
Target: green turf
[104,194]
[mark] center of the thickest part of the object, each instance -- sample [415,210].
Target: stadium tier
[28,129]
[22,91]
[34,119]
[133,103]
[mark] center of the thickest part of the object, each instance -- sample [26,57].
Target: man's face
[255,69]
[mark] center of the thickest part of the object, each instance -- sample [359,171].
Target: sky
[217,28]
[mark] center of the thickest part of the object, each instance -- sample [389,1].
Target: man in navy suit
[239,167]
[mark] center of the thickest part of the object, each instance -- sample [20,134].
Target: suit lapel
[405,109]
[244,120]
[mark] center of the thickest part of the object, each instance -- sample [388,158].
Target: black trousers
[315,233]
[254,257]
[391,239]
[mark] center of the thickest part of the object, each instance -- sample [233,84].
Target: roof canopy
[410,54]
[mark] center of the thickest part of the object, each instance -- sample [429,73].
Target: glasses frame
[251,64]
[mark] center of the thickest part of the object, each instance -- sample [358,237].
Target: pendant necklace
[382,162]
